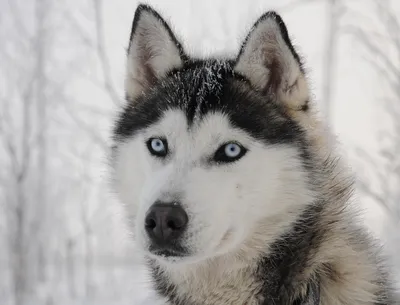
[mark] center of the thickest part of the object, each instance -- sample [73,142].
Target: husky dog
[232,187]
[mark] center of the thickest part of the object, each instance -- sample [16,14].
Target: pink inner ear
[146,75]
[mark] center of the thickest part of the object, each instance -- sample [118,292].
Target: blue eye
[157,147]
[232,150]
[229,152]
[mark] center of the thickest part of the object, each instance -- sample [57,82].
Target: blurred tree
[331,46]
[22,132]
[49,147]
[335,10]
[382,46]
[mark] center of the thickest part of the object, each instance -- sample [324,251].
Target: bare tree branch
[101,51]
[296,4]
[361,36]
[391,21]
[367,190]
[87,128]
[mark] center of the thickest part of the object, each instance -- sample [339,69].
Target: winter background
[62,237]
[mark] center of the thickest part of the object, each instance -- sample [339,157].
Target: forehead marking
[204,87]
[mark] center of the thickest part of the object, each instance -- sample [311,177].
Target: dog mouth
[168,252]
[176,251]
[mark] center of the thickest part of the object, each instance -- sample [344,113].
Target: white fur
[233,207]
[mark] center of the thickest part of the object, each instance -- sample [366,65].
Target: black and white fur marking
[274,226]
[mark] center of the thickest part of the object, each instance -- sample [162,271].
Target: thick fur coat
[237,146]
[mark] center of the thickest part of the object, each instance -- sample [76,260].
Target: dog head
[207,158]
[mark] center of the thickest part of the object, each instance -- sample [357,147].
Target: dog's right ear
[153,51]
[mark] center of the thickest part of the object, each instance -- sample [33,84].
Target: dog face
[207,160]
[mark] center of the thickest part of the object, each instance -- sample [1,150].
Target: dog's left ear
[269,61]
[153,51]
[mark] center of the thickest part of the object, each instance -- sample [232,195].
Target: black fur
[205,86]
[282,271]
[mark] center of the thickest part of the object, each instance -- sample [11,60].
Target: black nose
[165,222]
